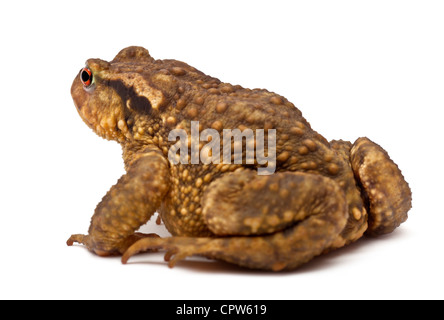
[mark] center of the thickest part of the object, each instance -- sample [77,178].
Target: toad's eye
[86,77]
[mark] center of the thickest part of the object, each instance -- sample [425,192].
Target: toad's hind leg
[271,222]
[386,193]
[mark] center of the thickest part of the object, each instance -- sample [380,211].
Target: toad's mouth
[78,94]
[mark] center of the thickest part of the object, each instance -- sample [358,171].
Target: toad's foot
[99,247]
[177,248]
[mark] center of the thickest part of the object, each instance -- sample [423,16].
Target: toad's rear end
[386,194]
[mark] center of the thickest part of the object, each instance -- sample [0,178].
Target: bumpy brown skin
[321,197]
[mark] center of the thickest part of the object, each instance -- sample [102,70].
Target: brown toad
[322,195]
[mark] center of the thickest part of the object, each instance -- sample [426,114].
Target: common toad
[319,196]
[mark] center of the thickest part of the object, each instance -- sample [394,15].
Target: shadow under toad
[335,258]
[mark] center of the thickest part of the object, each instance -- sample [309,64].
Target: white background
[354,68]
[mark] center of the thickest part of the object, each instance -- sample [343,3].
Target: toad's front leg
[128,205]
